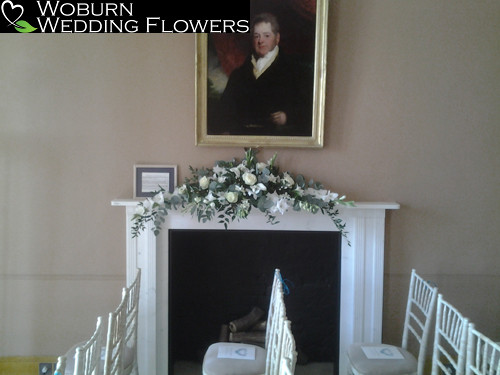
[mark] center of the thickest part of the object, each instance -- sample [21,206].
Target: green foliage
[230,189]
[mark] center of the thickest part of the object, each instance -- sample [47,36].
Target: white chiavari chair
[483,354]
[419,312]
[450,340]
[85,358]
[130,347]
[262,363]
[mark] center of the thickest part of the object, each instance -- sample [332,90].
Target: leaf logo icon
[13,14]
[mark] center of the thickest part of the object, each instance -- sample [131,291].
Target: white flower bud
[204,182]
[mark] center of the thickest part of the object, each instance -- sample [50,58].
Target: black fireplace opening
[218,276]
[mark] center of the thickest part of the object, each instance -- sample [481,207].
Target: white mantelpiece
[362,271]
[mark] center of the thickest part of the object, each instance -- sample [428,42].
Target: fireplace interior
[217,276]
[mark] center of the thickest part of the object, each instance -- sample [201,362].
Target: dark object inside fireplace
[217,276]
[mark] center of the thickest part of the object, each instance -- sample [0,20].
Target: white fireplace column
[362,272]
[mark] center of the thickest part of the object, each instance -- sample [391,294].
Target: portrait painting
[264,87]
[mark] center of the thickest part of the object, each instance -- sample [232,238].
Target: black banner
[42,16]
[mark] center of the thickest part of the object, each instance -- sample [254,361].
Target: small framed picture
[150,178]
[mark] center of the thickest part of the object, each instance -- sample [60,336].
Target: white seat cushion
[213,365]
[369,366]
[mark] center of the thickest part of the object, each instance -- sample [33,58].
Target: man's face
[264,40]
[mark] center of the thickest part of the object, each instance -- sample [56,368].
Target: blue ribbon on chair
[286,289]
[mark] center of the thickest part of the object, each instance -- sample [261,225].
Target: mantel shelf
[362,205]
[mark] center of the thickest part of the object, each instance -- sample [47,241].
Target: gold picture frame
[214,65]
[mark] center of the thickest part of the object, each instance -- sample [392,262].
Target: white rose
[139,210]
[231,197]
[204,182]
[249,178]
[181,190]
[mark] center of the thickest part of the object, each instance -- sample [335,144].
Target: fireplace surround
[361,285]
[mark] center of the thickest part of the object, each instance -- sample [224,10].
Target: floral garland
[230,190]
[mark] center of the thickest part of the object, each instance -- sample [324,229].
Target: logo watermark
[13,13]
[56,16]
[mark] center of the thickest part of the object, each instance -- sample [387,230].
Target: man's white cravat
[260,65]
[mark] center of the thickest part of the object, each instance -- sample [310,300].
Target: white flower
[243,209]
[261,166]
[281,206]
[209,198]
[148,204]
[326,195]
[272,178]
[221,180]
[204,182]
[249,178]
[180,190]
[236,171]
[280,203]
[256,189]
[299,190]
[231,196]
[218,170]
[288,179]
[158,198]
[139,210]
[333,196]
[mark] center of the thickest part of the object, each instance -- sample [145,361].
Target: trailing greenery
[231,189]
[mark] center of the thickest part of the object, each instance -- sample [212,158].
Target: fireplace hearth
[361,265]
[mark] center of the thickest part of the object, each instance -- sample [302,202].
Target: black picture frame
[149,178]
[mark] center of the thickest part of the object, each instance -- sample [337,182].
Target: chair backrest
[87,356]
[450,340]
[277,297]
[286,367]
[483,354]
[60,365]
[288,357]
[275,328]
[132,292]
[419,312]
[115,341]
